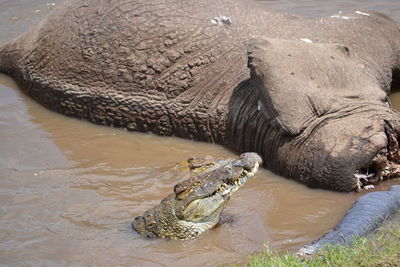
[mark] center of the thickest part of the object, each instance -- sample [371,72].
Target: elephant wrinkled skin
[310,96]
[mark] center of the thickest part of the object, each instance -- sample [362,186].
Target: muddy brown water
[69,189]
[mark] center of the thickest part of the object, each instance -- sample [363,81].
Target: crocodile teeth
[235,185]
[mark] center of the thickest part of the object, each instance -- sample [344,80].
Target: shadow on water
[70,189]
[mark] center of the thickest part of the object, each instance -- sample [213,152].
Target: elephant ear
[299,81]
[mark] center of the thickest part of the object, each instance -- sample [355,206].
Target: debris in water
[370,186]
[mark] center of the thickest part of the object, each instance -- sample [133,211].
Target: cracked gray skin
[196,204]
[316,112]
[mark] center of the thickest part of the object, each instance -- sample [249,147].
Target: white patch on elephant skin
[306,40]
[221,21]
[50,4]
[362,13]
[261,108]
[226,20]
[341,17]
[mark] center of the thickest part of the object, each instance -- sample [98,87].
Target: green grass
[380,249]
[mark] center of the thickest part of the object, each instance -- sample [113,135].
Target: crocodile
[196,204]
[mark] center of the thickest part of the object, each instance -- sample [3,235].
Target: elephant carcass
[180,68]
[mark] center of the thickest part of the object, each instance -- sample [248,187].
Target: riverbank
[380,249]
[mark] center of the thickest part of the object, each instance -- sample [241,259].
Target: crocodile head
[197,203]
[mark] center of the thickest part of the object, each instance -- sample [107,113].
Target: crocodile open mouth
[232,185]
[384,165]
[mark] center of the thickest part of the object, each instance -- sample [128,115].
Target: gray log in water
[366,215]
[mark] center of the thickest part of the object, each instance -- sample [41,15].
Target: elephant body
[230,72]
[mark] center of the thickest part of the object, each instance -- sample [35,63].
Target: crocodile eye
[151,226]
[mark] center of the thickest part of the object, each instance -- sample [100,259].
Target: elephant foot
[385,164]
